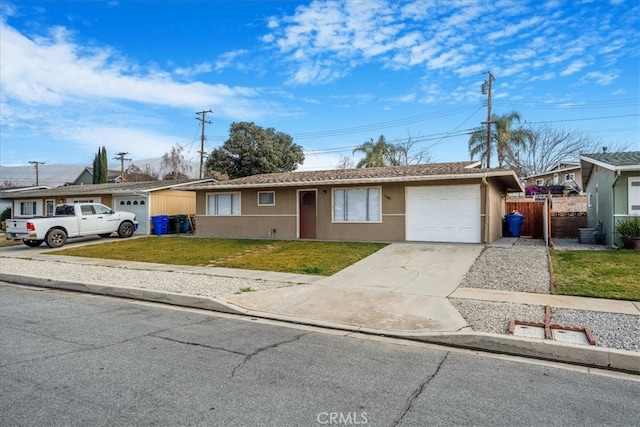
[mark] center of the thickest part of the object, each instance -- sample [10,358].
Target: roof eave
[356,181]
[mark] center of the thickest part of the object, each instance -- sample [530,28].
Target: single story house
[568,174]
[612,184]
[440,202]
[145,199]
[7,194]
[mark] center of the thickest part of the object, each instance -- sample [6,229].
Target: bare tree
[135,174]
[346,162]
[406,152]
[174,166]
[547,146]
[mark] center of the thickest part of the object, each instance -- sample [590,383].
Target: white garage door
[137,205]
[443,213]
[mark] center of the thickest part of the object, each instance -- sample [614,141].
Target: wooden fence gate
[533,211]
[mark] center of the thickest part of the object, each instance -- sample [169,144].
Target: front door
[307,212]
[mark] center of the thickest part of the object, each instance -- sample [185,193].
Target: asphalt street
[71,359]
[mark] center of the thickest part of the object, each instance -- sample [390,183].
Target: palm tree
[503,138]
[376,154]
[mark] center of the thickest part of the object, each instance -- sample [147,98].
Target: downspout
[613,207]
[485,183]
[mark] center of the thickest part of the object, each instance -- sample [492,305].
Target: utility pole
[35,165]
[486,89]
[202,119]
[120,156]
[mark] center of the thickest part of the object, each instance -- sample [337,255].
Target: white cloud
[52,70]
[602,79]
[573,68]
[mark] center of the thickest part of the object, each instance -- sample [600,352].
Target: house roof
[567,168]
[620,161]
[111,188]
[426,172]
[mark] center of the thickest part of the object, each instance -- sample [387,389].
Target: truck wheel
[126,229]
[33,243]
[104,235]
[56,238]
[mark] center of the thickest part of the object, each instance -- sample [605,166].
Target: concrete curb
[595,357]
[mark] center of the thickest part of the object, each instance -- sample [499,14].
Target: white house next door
[443,213]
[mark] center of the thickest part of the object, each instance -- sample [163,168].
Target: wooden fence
[532,210]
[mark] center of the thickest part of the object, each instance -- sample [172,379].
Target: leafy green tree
[505,140]
[100,171]
[252,150]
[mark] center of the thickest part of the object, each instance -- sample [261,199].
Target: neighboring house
[86,177]
[612,184]
[440,202]
[145,199]
[567,174]
[7,194]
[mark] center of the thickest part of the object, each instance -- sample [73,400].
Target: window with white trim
[357,205]
[223,204]
[634,195]
[570,177]
[28,208]
[266,198]
[539,181]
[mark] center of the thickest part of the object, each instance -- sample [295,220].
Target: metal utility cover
[529,331]
[574,337]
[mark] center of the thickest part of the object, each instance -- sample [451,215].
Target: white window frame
[273,198]
[556,179]
[572,177]
[366,221]
[633,197]
[540,181]
[214,212]
[20,212]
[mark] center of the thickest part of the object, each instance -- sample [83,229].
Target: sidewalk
[402,291]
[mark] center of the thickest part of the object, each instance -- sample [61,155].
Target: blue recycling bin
[515,221]
[160,224]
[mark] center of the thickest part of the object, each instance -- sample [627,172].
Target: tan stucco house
[145,199]
[440,202]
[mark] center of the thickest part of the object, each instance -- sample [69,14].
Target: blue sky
[130,75]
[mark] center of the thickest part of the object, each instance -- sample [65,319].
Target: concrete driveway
[403,287]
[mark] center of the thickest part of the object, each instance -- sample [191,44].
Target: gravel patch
[185,283]
[522,268]
[611,330]
[572,244]
[494,317]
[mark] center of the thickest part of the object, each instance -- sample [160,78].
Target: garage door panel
[137,206]
[443,213]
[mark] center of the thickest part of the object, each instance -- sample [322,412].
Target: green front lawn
[601,274]
[321,258]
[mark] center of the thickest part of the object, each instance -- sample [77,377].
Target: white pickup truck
[71,220]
